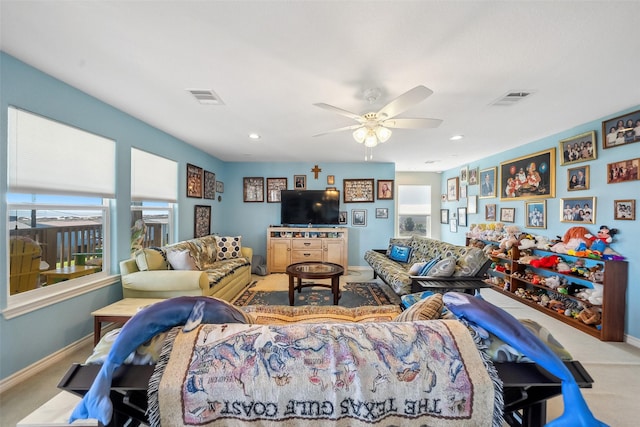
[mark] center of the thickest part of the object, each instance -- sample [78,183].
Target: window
[154,191]
[60,180]
[414,210]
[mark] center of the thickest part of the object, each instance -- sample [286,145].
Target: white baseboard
[632,341]
[42,364]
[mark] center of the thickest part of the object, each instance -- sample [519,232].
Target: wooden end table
[118,312]
[314,270]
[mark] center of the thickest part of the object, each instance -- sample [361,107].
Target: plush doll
[511,237]
[545,262]
[542,242]
[527,243]
[573,239]
[600,241]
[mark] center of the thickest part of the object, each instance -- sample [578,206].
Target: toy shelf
[614,286]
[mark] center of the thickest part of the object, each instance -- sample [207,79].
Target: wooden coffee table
[118,312]
[315,270]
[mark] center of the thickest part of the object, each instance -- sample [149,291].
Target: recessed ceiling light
[254,136]
[428,162]
[456,137]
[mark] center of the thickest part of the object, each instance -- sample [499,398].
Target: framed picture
[219,187]
[464,175]
[357,190]
[473,176]
[624,209]
[299,182]
[385,189]
[578,178]
[359,217]
[209,185]
[463,191]
[194,181]
[626,170]
[452,189]
[490,212]
[488,182]
[382,213]
[578,209]
[579,148]
[342,217]
[507,214]
[472,204]
[274,186]
[202,221]
[462,217]
[453,226]
[536,214]
[331,179]
[532,176]
[621,130]
[253,189]
[444,216]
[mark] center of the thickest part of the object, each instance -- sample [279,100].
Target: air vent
[512,98]
[206,96]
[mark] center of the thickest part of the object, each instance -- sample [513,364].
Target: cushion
[284,314]
[428,266]
[400,253]
[427,309]
[228,247]
[444,268]
[181,260]
[150,259]
[410,299]
[416,268]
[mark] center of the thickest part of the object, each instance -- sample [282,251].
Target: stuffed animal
[545,262]
[511,237]
[600,241]
[527,243]
[589,316]
[542,242]
[573,238]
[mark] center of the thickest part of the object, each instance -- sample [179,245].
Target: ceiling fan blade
[411,123]
[404,102]
[340,111]
[339,129]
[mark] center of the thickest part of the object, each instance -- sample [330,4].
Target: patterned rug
[354,294]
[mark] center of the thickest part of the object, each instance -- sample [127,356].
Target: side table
[118,312]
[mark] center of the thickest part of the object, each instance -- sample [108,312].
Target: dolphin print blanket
[375,374]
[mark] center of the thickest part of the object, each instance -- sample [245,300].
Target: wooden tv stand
[290,245]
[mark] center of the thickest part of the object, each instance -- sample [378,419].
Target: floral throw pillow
[228,247]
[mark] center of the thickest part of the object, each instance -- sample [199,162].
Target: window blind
[49,157]
[153,177]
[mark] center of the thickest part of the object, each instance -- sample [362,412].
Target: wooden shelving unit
[614,285]
[289,245]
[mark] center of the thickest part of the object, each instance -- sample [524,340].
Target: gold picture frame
[624,210]
[578,178]
[579,148]
[488,178]
[580,210]
[453,186]
[535,214]
[531,177]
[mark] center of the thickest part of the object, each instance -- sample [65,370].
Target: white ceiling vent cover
[512,98]
[206,96]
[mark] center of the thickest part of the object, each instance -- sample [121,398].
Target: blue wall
[29,338]
[625,242]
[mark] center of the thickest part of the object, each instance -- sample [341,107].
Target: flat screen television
[303,207]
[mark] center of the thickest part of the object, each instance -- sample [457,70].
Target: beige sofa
[211,266]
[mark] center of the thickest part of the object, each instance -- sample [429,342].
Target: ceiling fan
[375,127]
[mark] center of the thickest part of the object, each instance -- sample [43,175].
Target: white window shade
[46,156]
[153,177]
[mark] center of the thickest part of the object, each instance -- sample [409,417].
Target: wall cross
[316,170]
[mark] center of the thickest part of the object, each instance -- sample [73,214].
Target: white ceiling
[269,61]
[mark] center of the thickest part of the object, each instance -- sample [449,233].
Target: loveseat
[206,266]
[420,258]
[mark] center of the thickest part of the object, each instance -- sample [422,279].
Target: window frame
[399,212]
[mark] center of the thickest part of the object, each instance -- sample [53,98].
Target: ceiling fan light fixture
[383,133]
[371,140]
[360,134]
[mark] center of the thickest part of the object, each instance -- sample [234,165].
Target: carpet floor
[353,294]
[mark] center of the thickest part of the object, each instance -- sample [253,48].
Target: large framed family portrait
[530,177]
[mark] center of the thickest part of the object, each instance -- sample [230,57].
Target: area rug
[354,294]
